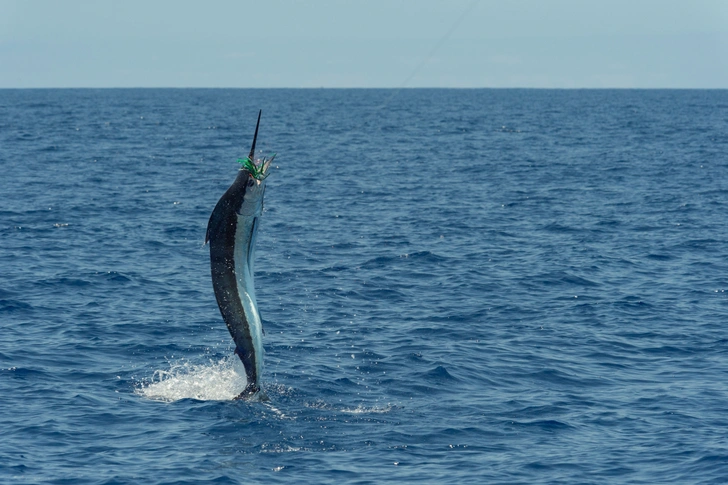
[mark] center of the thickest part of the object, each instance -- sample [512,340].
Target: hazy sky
[365,43]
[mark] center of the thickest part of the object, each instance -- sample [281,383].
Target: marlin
[231,233]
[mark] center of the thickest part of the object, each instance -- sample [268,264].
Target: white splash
[215,381]
[366,410]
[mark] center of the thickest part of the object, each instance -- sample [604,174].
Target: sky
[364,43]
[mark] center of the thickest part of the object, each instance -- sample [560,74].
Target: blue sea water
[457,286]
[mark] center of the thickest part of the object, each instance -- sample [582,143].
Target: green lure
[259,171]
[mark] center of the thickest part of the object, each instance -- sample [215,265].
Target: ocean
[456,286]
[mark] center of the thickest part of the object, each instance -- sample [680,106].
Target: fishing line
[424,61]
[439,44]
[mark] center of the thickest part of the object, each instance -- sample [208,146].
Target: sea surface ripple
[457,286]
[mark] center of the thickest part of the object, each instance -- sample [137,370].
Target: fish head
[253,175]
[254,171]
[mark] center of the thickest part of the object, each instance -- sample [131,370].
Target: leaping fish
[231,232]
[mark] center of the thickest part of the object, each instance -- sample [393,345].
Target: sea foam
[219,380]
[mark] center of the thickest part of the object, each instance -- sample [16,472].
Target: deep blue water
[457,286]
